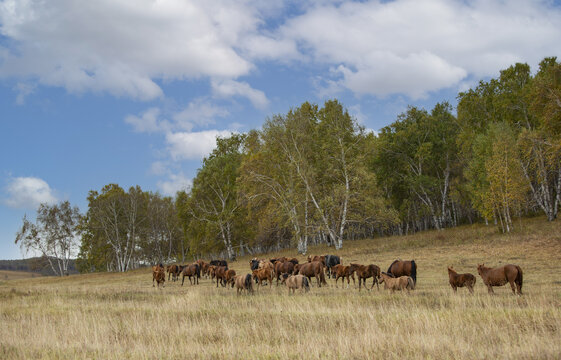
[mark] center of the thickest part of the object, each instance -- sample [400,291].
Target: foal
[400,283]
[460,280]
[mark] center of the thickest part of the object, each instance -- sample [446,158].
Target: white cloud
[230,88]
[193,145]
[122,47]
[414,47]
[199,112]
[176,182]
[23,89]
[148,121]
[28,193]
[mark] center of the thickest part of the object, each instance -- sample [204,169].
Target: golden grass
[120,316]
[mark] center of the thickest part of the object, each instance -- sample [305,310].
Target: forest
[314,175]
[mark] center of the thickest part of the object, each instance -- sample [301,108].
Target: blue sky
[135,92]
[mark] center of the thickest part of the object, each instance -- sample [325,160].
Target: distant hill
[38,265]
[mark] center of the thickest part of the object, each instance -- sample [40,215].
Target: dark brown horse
[283,267]
[404,268]
[344,271]
[500,276]
[193,270]
[460,280]
[310,270]
[364,272]
[220,274]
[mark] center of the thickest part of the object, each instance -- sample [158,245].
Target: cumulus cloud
[193,145]
[415,47]
[28,193]
[148,121]
[175,183]
[198,112]
[230,88]
[122,47]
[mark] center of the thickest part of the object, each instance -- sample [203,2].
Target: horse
[342,271]
[193,270]
[204,267]
[330,261]
[399,283]
[294,282]
[319,258]
[243,282]
[400,268]
[500,276]
[283,267]
[219,263]
[364,272]
[156,269]
[159,274]
[310,270]
[460,280]
[220,274]
[254,264]
[230,274]
[263,274]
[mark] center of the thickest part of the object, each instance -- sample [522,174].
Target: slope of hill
[34,265]
[117,316]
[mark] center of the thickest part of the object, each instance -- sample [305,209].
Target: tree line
[314,175]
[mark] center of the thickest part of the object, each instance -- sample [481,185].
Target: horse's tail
[414,271]
[410,283]
[305,284]
[518,279]
[198,271]
[390,268]
[248,284]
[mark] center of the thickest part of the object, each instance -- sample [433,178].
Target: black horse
[219,263]
[331,261]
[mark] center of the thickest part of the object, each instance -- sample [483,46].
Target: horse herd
[401,275]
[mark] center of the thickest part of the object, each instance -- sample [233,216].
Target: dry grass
[16,275]
[120,316]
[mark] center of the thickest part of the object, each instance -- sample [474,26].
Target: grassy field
[17,275]
[121,316]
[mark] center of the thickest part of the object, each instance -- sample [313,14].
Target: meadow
[121,316]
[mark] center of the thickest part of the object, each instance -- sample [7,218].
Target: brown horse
[500,276]
[220,274]
[174,271]
[156,269]
[342,271]
[243,282]
[193,270]
[283,267]
[158,274]
[364,272]
[204,267]
[404,268]
[460,280]
[230,275]
[263,274]
[310,270]
[294,282]
[400,283]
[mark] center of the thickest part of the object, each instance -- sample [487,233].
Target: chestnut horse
[230,275]
[193,270]
[263,274]
[460,280]
[342,271]
[243,282]
[156,276]
[310,270]
[400,283]
[364,272]
[500,276]
[400,268]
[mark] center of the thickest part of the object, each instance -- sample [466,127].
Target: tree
[54,234]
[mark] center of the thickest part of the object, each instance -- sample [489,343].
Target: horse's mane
[390,268]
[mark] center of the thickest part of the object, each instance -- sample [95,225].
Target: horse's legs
[183,280]
[490,289]
[454,288]
[470,288]
[512,286]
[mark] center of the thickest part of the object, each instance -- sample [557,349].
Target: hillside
[34,265]
[119,316]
